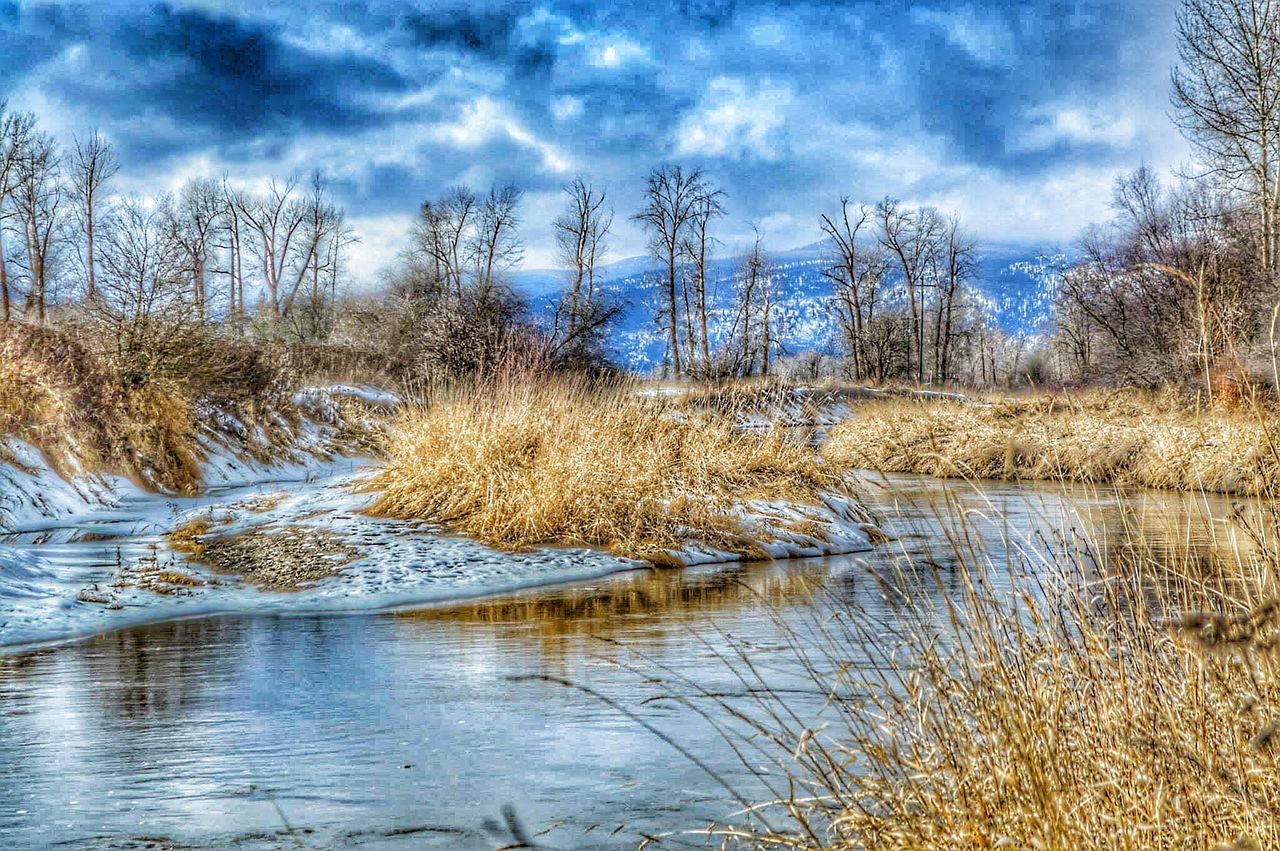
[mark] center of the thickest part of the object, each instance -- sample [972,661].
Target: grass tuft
[568,464]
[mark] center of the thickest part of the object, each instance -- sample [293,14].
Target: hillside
[1015,285]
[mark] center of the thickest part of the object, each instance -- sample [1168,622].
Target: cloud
[1001,112]
[486,119]
[984,35]
[1048,127]
[735,121]
[615,52]
[215,74]
[566,107]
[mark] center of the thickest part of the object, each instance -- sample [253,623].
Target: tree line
[1182,284]
[213,250]
[271,262]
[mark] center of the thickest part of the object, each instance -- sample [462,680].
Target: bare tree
[958,267]
[1226,93]
[92,163]
[15,132]
[191,221]
[442,234]
[276,222]
[754,318]
[856,276]
[142,302]
[325,235]
[912,237]
[696,248]
[495,247]
[581,232]
[38,199]
[671,197]
[233,244]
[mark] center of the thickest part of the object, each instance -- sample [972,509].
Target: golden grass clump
[1125,699]
[1121,438]
[562,463]
[188,538]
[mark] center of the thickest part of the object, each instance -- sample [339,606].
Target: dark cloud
[880,95]
[467,29]
[217,75]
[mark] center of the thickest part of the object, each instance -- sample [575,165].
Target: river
[406,729]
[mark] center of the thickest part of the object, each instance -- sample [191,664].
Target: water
[405,729]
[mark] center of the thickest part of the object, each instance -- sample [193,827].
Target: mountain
[1015,285]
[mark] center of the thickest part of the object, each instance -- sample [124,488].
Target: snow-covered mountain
[1015,284]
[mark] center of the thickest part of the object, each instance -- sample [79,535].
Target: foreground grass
[562,463]
[1121,438]
[1124,699]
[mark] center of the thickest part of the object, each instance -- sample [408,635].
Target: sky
[1015,116]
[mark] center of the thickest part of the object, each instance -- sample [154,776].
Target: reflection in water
[406,730]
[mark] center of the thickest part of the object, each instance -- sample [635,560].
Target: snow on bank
[51,591]
[791,530]
[34,495]
[323,402]
[98,580]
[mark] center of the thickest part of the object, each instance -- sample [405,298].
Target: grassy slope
[85,413]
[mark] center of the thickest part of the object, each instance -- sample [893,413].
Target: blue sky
[1015,115]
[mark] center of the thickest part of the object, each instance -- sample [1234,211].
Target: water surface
[406,730]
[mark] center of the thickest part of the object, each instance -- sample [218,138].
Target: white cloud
[485,120]
[614,52]
[734,121]
[1052,206]
[1073,125]
[566,107]
[381,239]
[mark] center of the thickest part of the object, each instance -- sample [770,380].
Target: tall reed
[1089,697]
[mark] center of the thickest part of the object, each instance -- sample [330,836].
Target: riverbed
[560,712]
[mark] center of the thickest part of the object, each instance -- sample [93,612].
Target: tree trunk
[93,286]
[199,276]
[673,325]
[4,283]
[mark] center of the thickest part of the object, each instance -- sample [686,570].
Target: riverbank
[470,494]
[82,432]
[1125,438]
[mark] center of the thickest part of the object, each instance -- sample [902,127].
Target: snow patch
[792,530]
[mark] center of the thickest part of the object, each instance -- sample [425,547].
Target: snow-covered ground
[89,573]
[86,553]
[82,576]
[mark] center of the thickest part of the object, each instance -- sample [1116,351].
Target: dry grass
[1123,438]
[71,405]
[1122,700]
[559,463]
[189,538]
[64,393]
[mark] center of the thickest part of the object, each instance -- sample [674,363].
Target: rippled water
[405,730]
